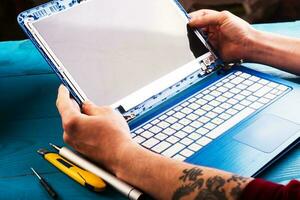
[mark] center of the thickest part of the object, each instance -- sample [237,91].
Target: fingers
[204,18]
[89,108]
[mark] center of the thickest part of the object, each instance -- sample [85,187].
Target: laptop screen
[113,48]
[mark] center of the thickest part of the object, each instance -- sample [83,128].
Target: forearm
[165,178]
[274,50]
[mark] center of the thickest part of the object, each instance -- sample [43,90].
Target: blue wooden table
[29,120]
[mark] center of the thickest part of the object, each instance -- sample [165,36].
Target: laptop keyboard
[195,122]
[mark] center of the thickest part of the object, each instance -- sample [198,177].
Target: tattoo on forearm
[212,188]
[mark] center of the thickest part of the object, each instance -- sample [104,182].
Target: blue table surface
[29,121]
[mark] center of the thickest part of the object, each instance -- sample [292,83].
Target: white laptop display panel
[111,57]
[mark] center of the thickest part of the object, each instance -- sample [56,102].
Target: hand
[227,33]
[100,133]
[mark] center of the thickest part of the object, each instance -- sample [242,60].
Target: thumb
[203,18]
[89,108]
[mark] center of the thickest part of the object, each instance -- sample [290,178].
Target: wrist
[254,47]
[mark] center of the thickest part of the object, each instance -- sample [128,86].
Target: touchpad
[267,133]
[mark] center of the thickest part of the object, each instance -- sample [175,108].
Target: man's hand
[227,33]
[99,133]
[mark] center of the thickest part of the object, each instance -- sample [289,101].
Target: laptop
[178,97]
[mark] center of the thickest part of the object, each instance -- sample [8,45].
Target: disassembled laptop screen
[113,48]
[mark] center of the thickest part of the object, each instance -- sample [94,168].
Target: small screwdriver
[46,185]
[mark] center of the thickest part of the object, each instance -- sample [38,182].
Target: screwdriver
[45,185]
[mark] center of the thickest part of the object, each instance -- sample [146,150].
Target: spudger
[45,185]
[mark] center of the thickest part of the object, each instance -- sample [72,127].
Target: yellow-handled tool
[83,177]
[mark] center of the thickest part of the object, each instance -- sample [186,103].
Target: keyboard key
[230,123]
[185,104]
[235,90]
[245,75]
[177,126]
[241,86]
[172,139]
[191,100]
[239,107]
[207,107]
[218,110]
[138,139]
[245,102]
[232,101]
[264,100]
[198,96]
[270,96]
[155,129]
[222,89]
[255,87]
[200,112]
[232,76]
[186,141]
[194,106]
[282,87]
[138,131]
[163,124]
[171,120]
[150,143]
[224,116]
[209,126]
[208,97]
[272,85]
[161,136]
[205,92]
[225,105]
[132,135]
[228,85]
[186,111]
[154,122]
[179,115]
[188,129]
[201,102]
[228,94]
[185,121]
[147,134]
[194,136]
[211,115]
[231,111]
[263,91]
[203,119]
[163,117]
[204,141]
[169,131]
[263,81]
[246,93]
[179,157]
[248,82]
[254,78]
[202,131]
[239,97]
[237,80]
[180,134]
[215,93]
[221,99]
[161,147]
[177,108]
[214,103]
[186,153]
[256,105]
[192,116]
[170,113]
[217,121]
[174,149]
[252,98]
[196,124]
[147,126]
[195,147]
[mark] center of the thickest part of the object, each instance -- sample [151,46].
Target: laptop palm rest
[267,133]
